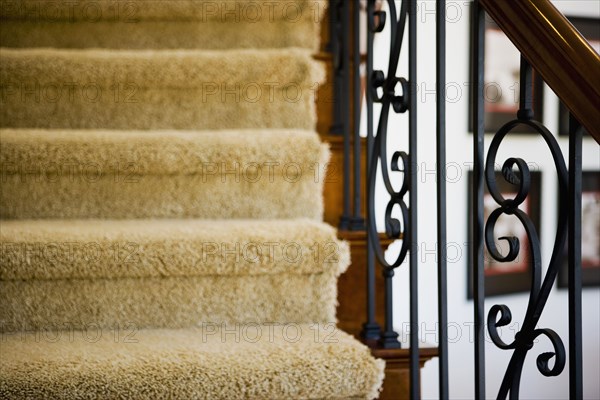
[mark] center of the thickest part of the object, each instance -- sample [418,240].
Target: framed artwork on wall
[590,233]
[590,29]
[507,277]
[501,82]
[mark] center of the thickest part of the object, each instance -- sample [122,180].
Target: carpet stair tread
[266,173]
[111,249]
[211,362]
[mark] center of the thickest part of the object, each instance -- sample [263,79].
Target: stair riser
[160,34]
[175,254]
[169,89]
[127,195]
[166,302]
[133,11]
[125,105]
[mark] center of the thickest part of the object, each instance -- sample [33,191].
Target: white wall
[459,155]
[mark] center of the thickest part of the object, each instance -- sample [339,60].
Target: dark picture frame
[512,277]
[501,82]
[590,29]
[590,234]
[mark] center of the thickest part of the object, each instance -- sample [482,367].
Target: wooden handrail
[557,51]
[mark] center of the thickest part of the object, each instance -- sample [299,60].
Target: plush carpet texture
[174,302]
[90,249]
[149,89]
[160,34]
[176,24]
[142,174]
[167,273]
[159,152]
[285,361]
[151,196]
[137,11]
[161,231]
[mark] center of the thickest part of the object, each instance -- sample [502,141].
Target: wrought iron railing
[397,94]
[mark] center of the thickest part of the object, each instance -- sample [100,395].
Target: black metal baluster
[441,196]
[345,109]
[335,37]
[413,225]
[389,337]
[357,223]
[575,333]
[525,91]
[477,195]
[500,314]
[371,330]
[399,163]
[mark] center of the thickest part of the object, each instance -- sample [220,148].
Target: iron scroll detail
[516,172]
[383,88]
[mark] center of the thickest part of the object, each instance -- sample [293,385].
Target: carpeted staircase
[161,205]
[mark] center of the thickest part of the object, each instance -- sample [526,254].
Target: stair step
[275,173]
[213,362]
[56,249]
[166,89]
[176,24]
[167,273]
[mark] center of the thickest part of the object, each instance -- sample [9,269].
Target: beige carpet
[150,89]
[90,249]
[252,361]
[167,273]
[161,200]
[270,173]
[182,24]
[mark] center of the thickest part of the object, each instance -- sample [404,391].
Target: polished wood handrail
[557,51]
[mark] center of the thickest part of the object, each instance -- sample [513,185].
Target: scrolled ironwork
[383,87]
[500,315]
[394,93]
